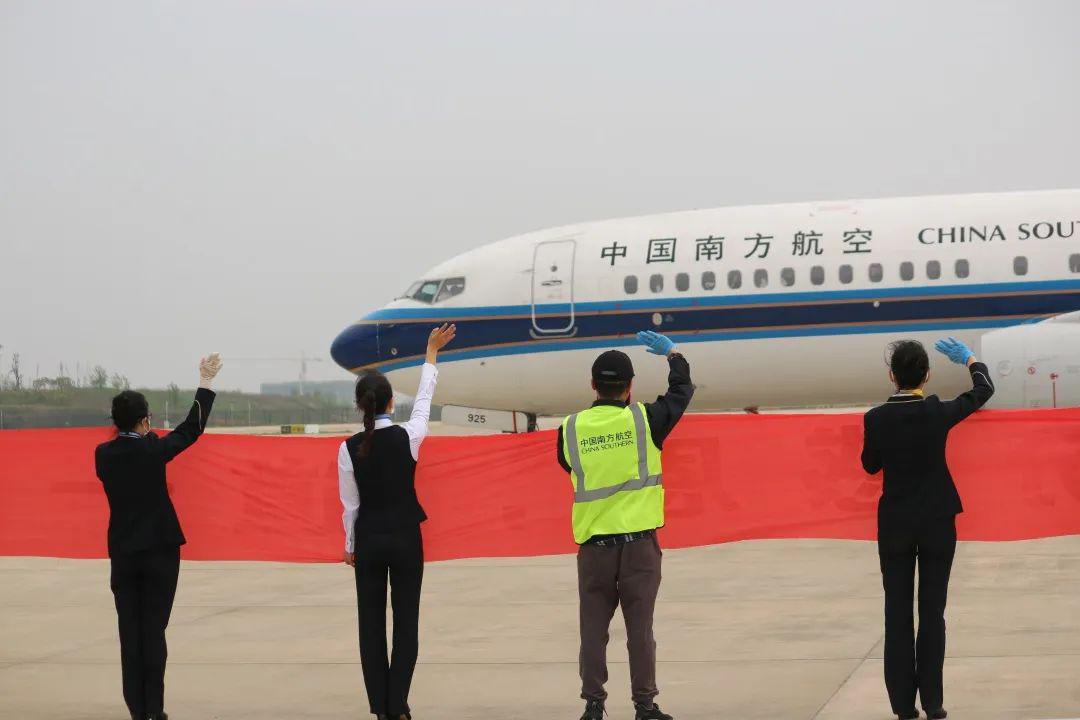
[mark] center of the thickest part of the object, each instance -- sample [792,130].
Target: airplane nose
[378,343]
[357,346]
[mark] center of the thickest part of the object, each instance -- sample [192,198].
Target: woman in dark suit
[145,536]
[906,438]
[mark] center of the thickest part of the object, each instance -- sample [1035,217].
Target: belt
[616,540]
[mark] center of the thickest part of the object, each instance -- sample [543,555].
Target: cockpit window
[427,291]
[450,288]
[434,291]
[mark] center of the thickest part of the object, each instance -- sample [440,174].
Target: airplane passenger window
[787,277]
[451,287]
[846,274]
[1020,265]
[817,275]
[876,272]
[682,282]
[734,279]
[656,283]
[1074,263]
[708,280]
[963,268]
[933,269]
[761,278]
[427,291]
[907,271]
[629,284]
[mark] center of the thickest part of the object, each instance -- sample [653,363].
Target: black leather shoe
[651,711]
[594,710]
[913,716]
[158,716]
[939,714]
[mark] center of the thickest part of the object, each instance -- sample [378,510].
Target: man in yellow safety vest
[612,453]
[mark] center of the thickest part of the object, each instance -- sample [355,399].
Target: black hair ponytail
[373,396]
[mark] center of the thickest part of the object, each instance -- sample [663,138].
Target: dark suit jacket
[906,437]
[132,470]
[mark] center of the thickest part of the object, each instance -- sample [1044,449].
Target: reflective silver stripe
[575,451]
[606,492]
[640,430]
[642,448]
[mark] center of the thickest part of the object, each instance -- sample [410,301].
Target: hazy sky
[249,177]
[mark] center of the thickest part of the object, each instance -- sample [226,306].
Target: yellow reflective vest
[615,469]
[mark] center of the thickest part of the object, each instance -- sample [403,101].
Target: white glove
[208,368]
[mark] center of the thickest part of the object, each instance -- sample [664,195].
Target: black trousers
[915,663]
[144,586]
[398,557]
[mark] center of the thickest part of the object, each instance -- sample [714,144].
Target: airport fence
[224,415]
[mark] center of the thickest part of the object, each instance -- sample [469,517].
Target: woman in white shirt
[376,480]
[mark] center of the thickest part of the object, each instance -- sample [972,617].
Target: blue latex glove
[656,343]
[955,350]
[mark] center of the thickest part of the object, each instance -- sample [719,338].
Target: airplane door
[553,289]
[1037,386]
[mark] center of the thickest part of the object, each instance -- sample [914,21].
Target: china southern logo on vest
[605,441]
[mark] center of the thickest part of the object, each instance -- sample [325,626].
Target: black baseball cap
[613,366]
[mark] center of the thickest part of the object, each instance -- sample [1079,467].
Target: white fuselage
[774,305]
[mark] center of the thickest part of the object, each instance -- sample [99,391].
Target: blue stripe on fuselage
[628,339]
[885,293]
[486,332]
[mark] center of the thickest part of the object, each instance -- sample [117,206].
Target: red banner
[728,477]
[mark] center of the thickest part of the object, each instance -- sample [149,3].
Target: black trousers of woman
[915,663]
[144,586]
[396,556]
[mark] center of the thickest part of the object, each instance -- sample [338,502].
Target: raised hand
[955,350]
[439,338]
[209,367]
[656,343]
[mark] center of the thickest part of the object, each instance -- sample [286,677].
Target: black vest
[386,481]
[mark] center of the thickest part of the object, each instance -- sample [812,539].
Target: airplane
[787,305]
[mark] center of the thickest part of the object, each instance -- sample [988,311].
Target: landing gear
[532,426]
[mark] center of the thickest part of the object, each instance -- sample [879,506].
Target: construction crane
[303,360]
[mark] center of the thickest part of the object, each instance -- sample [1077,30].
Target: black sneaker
[594,710]
[650,712]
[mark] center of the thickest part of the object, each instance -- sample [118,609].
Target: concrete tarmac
[763,629]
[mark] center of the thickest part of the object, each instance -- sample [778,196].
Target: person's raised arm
[982,388]
[187,432]
[668,408]
[417,424]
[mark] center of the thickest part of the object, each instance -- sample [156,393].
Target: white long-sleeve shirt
[416,427]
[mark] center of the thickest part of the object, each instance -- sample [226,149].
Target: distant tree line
[14,378]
